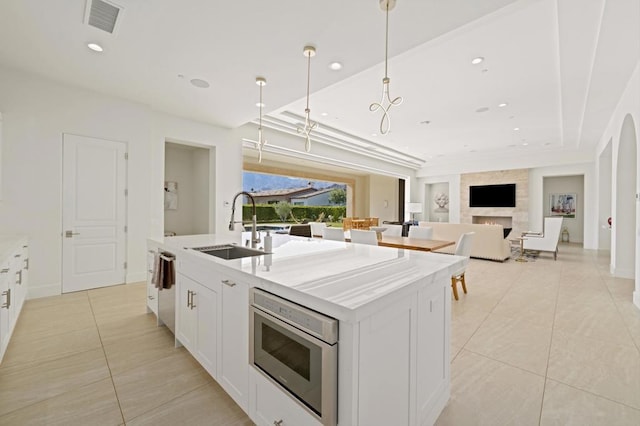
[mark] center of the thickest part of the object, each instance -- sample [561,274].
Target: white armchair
[547,240]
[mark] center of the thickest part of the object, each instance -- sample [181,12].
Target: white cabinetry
[152,291]
[14,267]
[271,406]
[401,355]
[197,322]
[234,344]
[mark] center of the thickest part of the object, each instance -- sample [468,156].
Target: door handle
[8,302]
[229,283]
[69,234]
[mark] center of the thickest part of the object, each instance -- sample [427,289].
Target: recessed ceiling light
[374,134]
[525,143]
[482,109]
[180,75]
[202,84]
[335,66]
[516,128]
[502,105]
[425,122]
[473,150]
[95,47]
[547,144]
[324,114]
[260,104]
[477,60]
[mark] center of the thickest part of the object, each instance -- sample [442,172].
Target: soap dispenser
[267,242]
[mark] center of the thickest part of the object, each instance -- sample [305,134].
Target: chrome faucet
[255,237]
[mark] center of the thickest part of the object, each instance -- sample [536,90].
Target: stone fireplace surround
[509,217]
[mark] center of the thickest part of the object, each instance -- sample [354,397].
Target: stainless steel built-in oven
[298,349]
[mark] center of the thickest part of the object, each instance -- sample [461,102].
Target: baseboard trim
[622,272]
[44,291]
[136,277]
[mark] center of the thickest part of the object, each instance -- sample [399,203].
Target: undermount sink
[229,251]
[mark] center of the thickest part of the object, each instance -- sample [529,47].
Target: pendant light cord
[386,42]
[308,78]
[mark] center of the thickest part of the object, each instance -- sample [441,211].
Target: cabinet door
[234,370]
[152,291]
[186,317]
[5,298]
[205,304]
[18,291]
[433,348]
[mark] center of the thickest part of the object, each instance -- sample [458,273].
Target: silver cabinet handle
[19,277]
[193,305]
[7,304]
[69,234]
[4,271]
[277,423]
[16,255]
[150,297]
[26,263]
[189,299]
[152,251]
[229,283]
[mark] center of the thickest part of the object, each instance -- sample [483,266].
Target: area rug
[530,255]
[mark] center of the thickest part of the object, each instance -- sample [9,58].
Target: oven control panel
[306,319]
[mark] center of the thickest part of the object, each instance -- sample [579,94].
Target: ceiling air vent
[102,14]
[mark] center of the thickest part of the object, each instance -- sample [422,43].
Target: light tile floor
[541,343]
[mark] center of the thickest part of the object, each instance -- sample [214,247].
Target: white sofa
[488,242]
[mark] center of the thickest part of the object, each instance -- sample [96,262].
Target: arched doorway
[624,220]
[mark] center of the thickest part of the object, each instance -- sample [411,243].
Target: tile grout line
[115,391]
[626,326]
[553,324]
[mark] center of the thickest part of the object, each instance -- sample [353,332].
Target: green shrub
[267,213]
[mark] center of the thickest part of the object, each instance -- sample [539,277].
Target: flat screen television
[492,195]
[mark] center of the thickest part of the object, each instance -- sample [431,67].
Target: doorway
[94,205]
[188,189]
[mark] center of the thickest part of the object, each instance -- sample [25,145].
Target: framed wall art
[563,205]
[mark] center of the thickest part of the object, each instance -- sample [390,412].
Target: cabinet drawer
[271,405]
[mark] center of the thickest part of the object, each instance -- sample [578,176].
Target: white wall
[189,167]
[537,198]
[604,198]
[567,185]
[629,104]
[36,112]
[383,198]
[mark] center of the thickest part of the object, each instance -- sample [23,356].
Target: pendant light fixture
[385,122]
[309,52]
[260,81]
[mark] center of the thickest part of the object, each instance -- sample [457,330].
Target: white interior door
[94,213]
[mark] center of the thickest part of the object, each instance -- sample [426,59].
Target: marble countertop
[340,279]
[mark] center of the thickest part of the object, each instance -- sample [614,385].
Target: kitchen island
[393,312]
